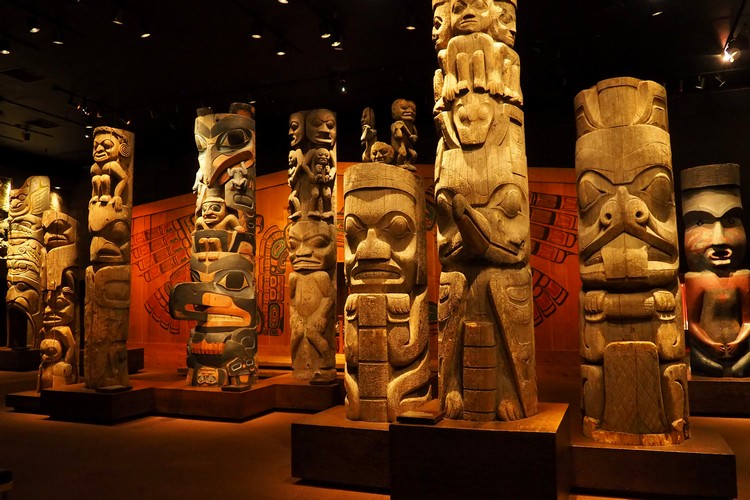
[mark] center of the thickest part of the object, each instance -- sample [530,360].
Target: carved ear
[125,150]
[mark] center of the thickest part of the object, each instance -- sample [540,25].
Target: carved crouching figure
[632,343]
[717,288]
[386,327]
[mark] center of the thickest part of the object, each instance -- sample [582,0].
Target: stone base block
[702,466]
[22,360]
[277,393]
[75,402]
[526,459]
[24,402]
[719,396]
[327,447]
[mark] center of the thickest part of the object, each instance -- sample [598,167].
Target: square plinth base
[75,402]
[327,447]
[277,393]
[135,359]
[702,466]
[24,401]
[22,360]
[719,396]
[525,459]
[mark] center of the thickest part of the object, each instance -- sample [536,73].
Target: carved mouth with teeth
[207,348]
[376,272]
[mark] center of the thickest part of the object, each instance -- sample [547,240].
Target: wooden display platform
[327,447]
[283,392]
[702,466]
[24,401]
[525,459]
[76,403]
[721,396]
[19,360]
[136,357]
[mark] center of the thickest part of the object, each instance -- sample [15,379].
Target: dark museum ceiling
[201,53]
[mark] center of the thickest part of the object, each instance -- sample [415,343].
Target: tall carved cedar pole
[311,240]
[632,342]
[387,329]
[60,330]
[26,263]
[717,288]
[107,307]
[222,347]
[485,312]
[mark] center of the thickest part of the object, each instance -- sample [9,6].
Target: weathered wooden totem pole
[26,263]
[403,136]
[311,240]
[4,209]
[107,307]
[485,310]
[387,329]
[60,322]
[222,346]
[717,288]
[632,342]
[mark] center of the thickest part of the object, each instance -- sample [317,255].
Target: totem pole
[632,342]
[5,184]
[61,336]
[387,328]
[403,136]
[107,305]
[717,288]
[26,263]
[222,346]
[485,310]
[311,240]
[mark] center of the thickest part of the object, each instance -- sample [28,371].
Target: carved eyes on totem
[233,139]
[511,205]
[234,281]
[588,194]
[394,224]
[20,286]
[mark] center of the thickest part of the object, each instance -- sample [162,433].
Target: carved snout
[372,248]
[624,209]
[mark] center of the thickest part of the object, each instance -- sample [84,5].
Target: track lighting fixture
[4,46]
[411,24]
[337,40]
[145,32]
[720,80]
[57,38]
[701,84]
[280,47]
[119,18]
[256,30]
[731,51]
[325,29]
[34,25]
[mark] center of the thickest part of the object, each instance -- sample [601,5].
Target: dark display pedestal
[702,466]
[25,401]
[330,448]
[277,393]
[135,359]
[719,396]
[22,360]
[75,402]
[526,459]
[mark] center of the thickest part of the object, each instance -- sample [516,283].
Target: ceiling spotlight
[145,32]
[284,1]
[34,25]
[731,51]
[342,87]
[720,80]
[325,29]
[281,47]
[411,25]
[337,40]
[119,18]
[701,83]
[5,46]
[255,30]
[57,39]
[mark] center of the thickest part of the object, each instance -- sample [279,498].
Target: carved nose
[637,212]
[609,211]
[373,248]
[717,236]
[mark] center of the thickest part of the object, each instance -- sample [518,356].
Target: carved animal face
[471,16]
[627,231]
[224,141]
[25,287]
[110,241]
[33,197]
[312,246]
[714,235]
[320,127]
[381,240]
[381,152]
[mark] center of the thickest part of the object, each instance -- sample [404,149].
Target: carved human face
[714,235]
[368,117]
[381,240]
[381,152]
[471,16]
[404,110]
[503,28]
[214,210]
[296,128]
[106,147]
[224,141]
[59,229]
[59,308]
[441,32]
[320,127]
[322,156]
[110,241]
[25,289]
[312,246]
